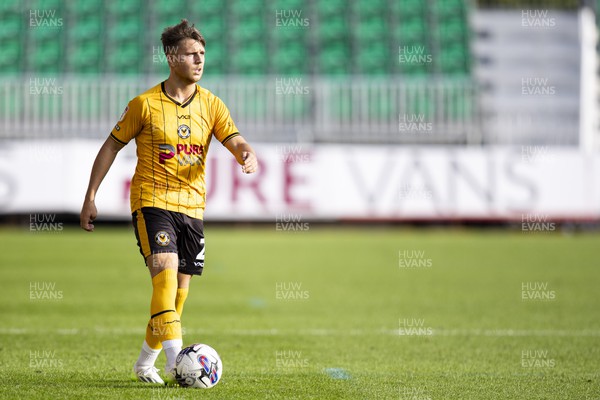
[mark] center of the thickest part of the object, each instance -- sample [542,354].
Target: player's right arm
[127,128]
[102,164]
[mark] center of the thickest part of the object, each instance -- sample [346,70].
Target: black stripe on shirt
[230,137]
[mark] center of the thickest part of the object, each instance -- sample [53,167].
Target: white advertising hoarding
[325,182]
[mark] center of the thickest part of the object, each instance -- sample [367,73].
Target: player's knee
[160,261]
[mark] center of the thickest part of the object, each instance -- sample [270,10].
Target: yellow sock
[153,340]
[182,294]
[165,323]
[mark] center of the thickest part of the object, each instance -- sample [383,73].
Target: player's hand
[250,162]
[88,215]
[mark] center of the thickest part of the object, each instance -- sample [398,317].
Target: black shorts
[162,231]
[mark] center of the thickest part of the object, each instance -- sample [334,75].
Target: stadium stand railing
[279,109]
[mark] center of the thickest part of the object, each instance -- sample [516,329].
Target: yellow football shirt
[172,141]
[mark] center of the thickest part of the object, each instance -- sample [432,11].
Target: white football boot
[147,375]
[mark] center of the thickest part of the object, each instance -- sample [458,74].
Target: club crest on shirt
[184,131]
[162,238]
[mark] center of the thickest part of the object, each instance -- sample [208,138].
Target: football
[198,366]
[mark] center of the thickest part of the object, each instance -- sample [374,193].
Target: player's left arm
[243,153]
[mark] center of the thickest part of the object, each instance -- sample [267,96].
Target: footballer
[172,124]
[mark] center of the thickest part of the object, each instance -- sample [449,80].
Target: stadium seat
[334,59]
[10,28]
[445,8]
[45,56]
[212,28]
[10,6]
[168,13]
[87,57]
[11,59]
[283,33]
[370,8]
[126,29]
[247,7]
[121,8]
[453,59]
[408,8]
[412,30]
[251,27]
[290,59]
[451,30]
[85,8]
[50,5]
[85,28]
[124,58]
[215,58]
[325,9]
[249,59]
[370,30]
[335,27]
[372,59]
[199,10]
[289,5]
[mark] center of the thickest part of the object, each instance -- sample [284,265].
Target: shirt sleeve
[130,123]
[224,128]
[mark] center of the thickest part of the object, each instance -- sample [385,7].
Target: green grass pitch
[348,313]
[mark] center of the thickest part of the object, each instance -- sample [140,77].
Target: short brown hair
[174,34]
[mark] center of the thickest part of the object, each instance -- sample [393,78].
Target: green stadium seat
[290,59]
[451,30]
[289,5]
[344,37]
[334,60]
[212,28]
[49,5]
[10,28]
[409,8]
[370,8]
[10,6]
[126,29]
[247,7]
[200,10]
[168,13]
[121,8]
[124,58]
[251,27]
[45,54]
[372,59]
[169,8]
[332,28]
[85,28]
[325,9]
[288,34]
[11,56]
[215,55]
[370,30]
[412,30]
[88,56]
[85,8]
[249,59]
[445,8]
[453,58]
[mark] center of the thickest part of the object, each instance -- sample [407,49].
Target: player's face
[188,60]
